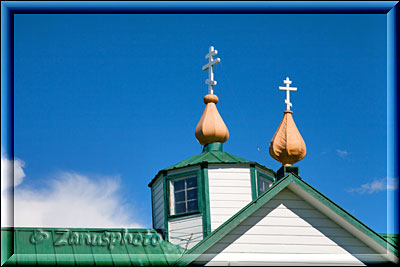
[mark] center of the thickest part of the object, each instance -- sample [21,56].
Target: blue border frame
[392,168]
[390,8]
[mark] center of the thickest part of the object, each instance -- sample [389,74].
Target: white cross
[209,66]
[287,89]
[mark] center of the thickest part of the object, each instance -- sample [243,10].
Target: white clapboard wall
[186,231]
[288,230]
[229,192]
[157,198]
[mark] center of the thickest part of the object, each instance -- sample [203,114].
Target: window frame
[264,177]
[171,196]
[185,190]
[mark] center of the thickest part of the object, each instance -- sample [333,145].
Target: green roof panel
[210,157]
[87,247]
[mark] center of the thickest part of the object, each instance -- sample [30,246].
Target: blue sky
[117,98]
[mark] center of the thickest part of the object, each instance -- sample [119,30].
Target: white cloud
[8,183]
[342,153]
[70,200]
[376,186]
[6,166]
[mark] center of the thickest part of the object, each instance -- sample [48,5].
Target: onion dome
[211,128]
[287,146]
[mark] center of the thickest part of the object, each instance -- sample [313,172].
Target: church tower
[197,195]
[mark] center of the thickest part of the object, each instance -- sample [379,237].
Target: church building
[219,209]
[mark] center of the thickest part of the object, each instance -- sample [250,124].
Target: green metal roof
[210,157]
[77,246]
[256,204]
[212,154]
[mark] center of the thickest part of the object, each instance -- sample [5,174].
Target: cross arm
[211,63]
[284,88]
[211,54]
[211,82]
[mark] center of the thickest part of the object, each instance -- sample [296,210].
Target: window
[184,195]
[263,184]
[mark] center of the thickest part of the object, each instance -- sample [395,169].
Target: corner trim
[166,207]
[253,180]
[205,203]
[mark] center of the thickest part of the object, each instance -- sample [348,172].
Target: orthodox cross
[209,66]
[287,89]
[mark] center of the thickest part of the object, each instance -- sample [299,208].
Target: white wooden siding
[157,196]
[288,229]
[387,254]
[186,231]
[229,192]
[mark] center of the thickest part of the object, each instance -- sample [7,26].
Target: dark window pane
[261,185]
[264,185]
[192,194]
[191,182]
[193,205]
[262,190]
[179,185]
[180,196]
[180,208]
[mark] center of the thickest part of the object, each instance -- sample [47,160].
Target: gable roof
[212,157]
[256,204]
[74,246]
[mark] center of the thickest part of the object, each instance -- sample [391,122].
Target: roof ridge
[203,155]
[214,152]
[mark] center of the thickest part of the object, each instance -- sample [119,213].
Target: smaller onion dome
[211,127]
[287,146]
